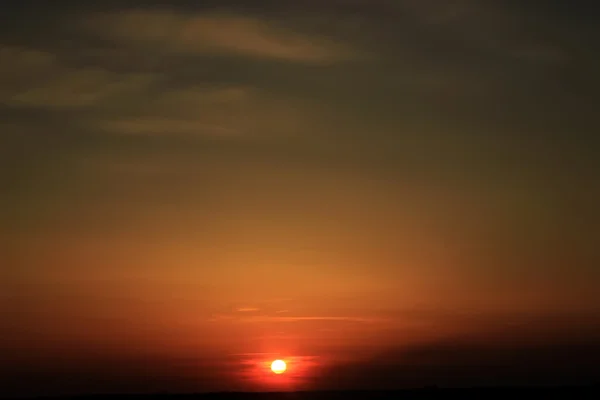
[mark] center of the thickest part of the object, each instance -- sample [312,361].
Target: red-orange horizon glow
[262,372]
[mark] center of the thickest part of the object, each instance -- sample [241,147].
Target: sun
[278,366]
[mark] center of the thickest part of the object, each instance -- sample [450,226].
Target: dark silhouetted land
[567,392]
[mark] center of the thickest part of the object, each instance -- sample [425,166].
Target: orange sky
[377,192]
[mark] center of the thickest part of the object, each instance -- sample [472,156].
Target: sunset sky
[382,193]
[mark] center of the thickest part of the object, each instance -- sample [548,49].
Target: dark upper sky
[374,190]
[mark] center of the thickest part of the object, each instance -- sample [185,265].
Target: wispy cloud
[326,318]
[140,103]
[247,309]
[292,319]
[204,111]
[215,34]
[37,78]
[164,126]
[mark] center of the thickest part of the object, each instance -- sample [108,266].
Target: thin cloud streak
[164,126]
[216,34]
[38,79]
[269,318]
[348,319]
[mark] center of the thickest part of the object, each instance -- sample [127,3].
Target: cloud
[195,110]
[215,34]
[206,111]
[86,87]
[34,78]
[21,62]
[247,309]
[294,319]
[162,126]
[142,103]
[327,318]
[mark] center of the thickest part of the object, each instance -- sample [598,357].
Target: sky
[383,193]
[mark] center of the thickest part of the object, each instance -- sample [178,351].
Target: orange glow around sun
[278,366]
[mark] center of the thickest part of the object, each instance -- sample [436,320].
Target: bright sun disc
[278,366]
